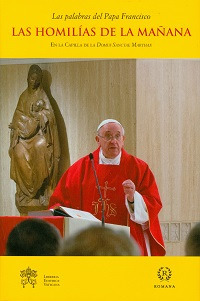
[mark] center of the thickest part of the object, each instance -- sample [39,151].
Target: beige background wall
[156,100]
[168,138]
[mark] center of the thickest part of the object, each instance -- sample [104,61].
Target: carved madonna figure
[34,146]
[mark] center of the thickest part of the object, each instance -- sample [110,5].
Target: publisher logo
[28,277]
[164,274]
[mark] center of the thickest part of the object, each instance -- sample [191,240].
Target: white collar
[106,161]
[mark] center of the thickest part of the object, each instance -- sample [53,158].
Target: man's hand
[129,189]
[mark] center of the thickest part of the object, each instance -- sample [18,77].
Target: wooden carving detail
[34,146]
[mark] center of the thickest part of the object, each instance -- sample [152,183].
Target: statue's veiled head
[34,77]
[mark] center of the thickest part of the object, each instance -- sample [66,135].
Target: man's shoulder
[75,169]
[134,159]
[80,161]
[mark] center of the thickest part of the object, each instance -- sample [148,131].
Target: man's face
[110,147]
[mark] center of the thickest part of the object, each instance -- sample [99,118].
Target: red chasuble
[77,189]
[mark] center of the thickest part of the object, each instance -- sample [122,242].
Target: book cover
[134,61]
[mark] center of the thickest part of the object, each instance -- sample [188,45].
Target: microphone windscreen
[91,156]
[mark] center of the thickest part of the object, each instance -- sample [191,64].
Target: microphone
[99,189]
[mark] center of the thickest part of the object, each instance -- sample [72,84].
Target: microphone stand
[99,190]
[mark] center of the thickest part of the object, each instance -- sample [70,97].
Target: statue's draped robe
[34,148]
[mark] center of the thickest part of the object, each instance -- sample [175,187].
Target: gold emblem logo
[164,274]
[28,276]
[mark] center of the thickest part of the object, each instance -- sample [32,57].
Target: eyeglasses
[110,137]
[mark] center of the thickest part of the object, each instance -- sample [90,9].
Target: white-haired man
[128,187]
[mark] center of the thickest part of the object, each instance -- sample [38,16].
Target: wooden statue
[34,146]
